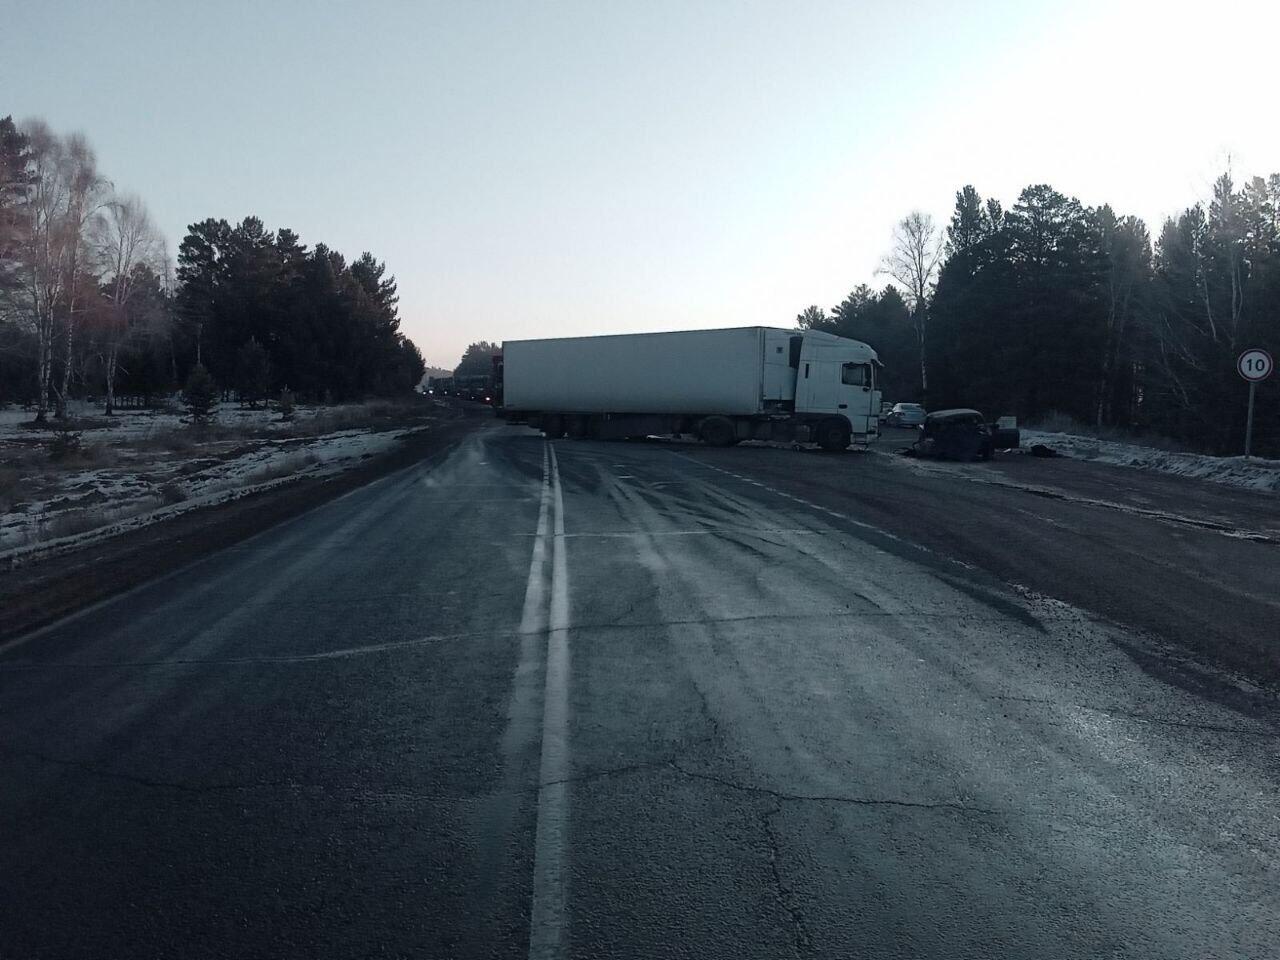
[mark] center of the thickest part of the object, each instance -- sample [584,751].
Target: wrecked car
[963,434]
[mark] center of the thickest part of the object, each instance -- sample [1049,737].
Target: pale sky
[542,169]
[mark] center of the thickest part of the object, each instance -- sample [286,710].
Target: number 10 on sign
[1255,366]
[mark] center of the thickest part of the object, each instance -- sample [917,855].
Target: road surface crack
[152,782]
[322,656]
[716,733]
[781,796]
[786,896]
[605,773]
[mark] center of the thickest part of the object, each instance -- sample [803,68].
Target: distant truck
[473,387]
[723,386]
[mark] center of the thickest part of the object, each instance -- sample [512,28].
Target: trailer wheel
[553,426]
[717,432]
[833,435]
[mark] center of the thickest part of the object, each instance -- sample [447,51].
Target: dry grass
[171,493]
[170,441]
[10,486]
[88,455]
[377,413]
[161,465]
[69,523]
[293,463]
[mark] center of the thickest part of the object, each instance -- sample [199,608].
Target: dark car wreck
[963,434]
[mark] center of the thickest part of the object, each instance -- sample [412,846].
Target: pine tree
[15,179]
[968,224]
[328,328]
[200,396]
[253,373]
[812,318]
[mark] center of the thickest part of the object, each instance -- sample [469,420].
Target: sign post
[1255,366]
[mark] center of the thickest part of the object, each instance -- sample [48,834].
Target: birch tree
[913,264]
[85,191]
[63,197]
[126,244]
[41,249]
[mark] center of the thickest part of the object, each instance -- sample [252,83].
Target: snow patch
[1253,473]
[82,506]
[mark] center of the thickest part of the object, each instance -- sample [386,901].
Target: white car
[905,415]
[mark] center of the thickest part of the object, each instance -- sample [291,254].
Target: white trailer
[724,386]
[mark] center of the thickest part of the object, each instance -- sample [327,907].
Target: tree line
[91,305]
[1053,307]
[477,359]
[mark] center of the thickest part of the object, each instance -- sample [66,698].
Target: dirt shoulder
[42,591]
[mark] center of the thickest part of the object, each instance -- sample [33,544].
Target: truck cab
[837,376]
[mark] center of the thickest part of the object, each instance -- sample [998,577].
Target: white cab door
[817,382]
[859,400]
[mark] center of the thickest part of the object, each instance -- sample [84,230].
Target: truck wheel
[553,427]
[717,432]
[833,435]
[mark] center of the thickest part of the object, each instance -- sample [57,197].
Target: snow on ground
[143,466]
[1254,473]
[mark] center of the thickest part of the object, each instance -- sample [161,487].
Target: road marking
[531,618]
[710,530]
[500,818]
[483,500]
[451,486]
[547,920]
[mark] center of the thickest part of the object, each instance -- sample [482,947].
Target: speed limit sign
[1255,365]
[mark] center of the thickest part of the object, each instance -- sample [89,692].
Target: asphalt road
[655,700]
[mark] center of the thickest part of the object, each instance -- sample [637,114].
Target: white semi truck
[723,386]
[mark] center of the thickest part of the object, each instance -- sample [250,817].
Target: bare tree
[42,255]
[913,264]
[85,195]
[124,239]
[62,201]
